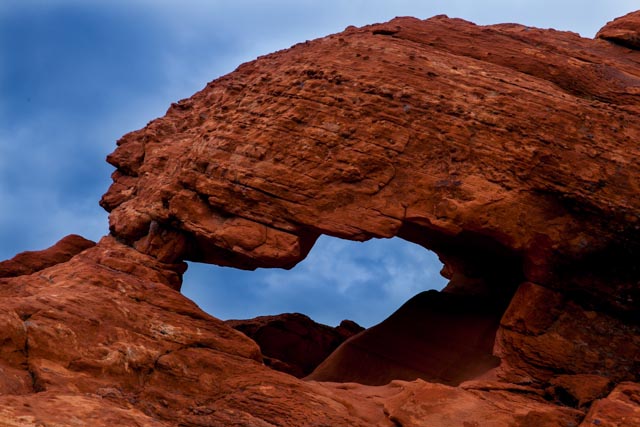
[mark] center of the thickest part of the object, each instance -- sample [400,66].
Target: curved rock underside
[510,151]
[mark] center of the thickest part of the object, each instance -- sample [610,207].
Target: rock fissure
[35,381]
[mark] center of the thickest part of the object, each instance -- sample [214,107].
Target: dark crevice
[36,383]
[605,280]
[633,44]
[474,263]
[508,387]
[385,32]
[396,422]
[564,397]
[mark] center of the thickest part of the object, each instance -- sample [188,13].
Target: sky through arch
[339,279]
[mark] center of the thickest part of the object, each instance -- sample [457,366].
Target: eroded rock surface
[31,261]
[510,151]
[624,31]
[102,340]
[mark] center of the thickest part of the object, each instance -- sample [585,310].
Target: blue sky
[75,75]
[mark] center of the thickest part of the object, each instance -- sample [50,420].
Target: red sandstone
[510,151]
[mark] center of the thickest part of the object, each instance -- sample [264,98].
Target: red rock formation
[623,31]
[30,262]
[510,151]
[505,149]
[292,342]
[103,340]
[92,342]
[620,409]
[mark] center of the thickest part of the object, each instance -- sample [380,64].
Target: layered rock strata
[510,151]
[507,150]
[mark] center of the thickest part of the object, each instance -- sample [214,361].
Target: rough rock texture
[32,261]
[508,150]
[620,409]
[624,31]
[545,333]
[102,340]
[95,342]
[292,342]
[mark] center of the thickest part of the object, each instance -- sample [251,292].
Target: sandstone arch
[495,143]
[505,142]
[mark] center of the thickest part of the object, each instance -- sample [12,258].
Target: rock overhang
[507,150]
[519,135]
[624,31]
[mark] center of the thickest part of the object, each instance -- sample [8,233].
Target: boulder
[29,262]
[294,343]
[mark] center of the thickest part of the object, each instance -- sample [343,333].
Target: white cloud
[330,263]
[387,271]
[339,280]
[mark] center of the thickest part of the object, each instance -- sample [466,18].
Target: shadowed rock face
[509,151]
[435,336]
[623,31]
[292,342]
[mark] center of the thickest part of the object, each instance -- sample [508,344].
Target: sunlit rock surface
[31,261]
[510,151]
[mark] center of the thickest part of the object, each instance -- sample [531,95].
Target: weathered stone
[29,262]
[103,340]
[505,136]
[624,31]
[578,390]
[620,409]
[422,404]
[544,333]
[508,150]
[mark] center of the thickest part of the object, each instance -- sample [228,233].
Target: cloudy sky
[75,75]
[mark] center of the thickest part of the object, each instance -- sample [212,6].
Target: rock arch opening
[340,279]
[446,336]
[442,331]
